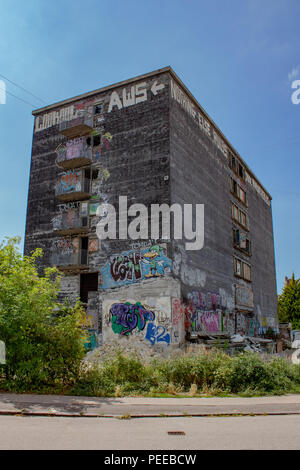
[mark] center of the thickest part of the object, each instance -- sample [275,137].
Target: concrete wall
[200,174]
[146,311]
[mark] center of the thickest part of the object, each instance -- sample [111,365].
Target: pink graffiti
[210,321]
[177,311]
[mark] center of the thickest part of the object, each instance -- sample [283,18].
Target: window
[238,191]
[243,218]
[239,216]
[241,241]
[238,267]
[242,269]
[235,212]
[234,187]
[96,140]
[241,171]
[84,250]
[236,166]
[98,109]
[242,195]
[247,271]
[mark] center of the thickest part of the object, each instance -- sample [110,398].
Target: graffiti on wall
[133,95]
[178,312]
[69,181]
[93,245]
[131,266]
[64,246]
[147,319]
[157,334]
[207,301]
[125,317]
[204,312]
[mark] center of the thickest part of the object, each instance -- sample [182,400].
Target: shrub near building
[44,341]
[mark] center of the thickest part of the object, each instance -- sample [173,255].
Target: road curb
[136,416]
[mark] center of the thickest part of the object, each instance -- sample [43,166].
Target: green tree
[43,338]
[289,303]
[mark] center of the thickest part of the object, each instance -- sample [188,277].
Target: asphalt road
[246,432]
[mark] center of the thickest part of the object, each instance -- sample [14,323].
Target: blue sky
[238,58]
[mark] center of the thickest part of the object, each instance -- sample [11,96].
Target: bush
[117,376]
[44,341]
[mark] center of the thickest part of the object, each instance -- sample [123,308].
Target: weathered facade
[148,139]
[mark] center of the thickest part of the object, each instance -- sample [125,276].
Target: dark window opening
[84,221]
[98,109]
[97,140]
[241,172]
[95,174]
[84,250]
[88,283]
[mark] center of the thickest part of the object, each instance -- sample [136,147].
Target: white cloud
[295,73]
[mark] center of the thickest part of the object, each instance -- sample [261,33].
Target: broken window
[236,166]
[239,192]
[242,269]
[242,195]
[241,241]
[95,174]
[241,171]
[88,283]
[84,250]
[96,140]
[243,218]
[247,271]
[98,109]
[235,212]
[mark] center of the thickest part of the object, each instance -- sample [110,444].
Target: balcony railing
[65,257]
[70,222]
[74,154]
[79,126]
[72,185]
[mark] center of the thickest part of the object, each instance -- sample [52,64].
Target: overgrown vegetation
[212,373]
[44,341]
[289,303]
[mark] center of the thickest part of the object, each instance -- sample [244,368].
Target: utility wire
[24,101]
[22,88]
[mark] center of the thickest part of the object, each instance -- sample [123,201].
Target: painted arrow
[155,87]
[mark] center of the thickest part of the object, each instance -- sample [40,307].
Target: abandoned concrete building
[148,138]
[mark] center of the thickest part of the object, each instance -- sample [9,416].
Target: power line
[22,88]
[24,101]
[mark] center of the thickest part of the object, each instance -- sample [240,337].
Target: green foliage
[212,372]
[117,376]
[44,344]
[289,303]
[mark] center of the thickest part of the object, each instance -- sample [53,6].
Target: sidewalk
[55,405]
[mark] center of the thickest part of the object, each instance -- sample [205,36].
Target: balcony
[67,256]
[77,127]
[74,154]
[73,185]
[70,222]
